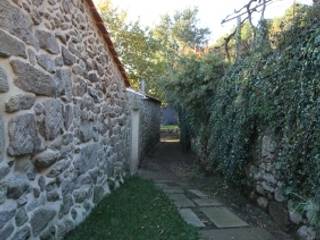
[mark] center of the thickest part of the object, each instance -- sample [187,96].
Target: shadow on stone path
[169,168]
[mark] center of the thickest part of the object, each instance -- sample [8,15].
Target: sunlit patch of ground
[166,140]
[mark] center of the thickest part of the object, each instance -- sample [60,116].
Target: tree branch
[228,39]
[240,13]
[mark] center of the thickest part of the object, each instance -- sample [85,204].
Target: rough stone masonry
[64,117]
[268,188]
[149,127]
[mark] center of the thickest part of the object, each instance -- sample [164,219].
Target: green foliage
[275,85]
[169,127]
[278,89]
[190,89]
[181,31]
[135,211]
[308,207]
[185,30]
[135,45]
[151,54]
[177,36]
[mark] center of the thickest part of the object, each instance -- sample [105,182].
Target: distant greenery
[150,54]
[136,211]
[134,44]
[169,127]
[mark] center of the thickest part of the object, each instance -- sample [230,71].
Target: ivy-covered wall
[265,119]
[259,123]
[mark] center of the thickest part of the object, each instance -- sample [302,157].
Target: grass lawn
[169,127]
[136,211]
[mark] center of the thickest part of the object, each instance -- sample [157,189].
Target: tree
[178,36]
[151,54]
[180,32]
[134,44]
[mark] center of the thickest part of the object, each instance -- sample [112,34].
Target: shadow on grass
[136,211]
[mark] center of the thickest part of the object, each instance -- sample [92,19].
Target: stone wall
[150,129]
[268,189]
[64,127]
[150,117]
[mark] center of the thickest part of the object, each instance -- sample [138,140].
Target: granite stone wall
[150,118]
[268,190]
[150,129]
[64,118]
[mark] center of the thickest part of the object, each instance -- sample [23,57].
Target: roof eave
[102,28]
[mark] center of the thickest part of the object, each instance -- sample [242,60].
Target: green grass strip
[169,127]
[136,211]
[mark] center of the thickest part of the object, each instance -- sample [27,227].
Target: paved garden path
[215,220]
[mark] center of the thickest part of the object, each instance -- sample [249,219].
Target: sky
[211,12]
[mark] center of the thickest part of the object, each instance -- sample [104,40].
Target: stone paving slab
[190,217]
[223,218]
[181,201]
[161,185]
[205,202]
[172,190]
[198,193]
[236,234]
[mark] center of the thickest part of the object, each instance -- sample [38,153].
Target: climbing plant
[274,86]
[278,89]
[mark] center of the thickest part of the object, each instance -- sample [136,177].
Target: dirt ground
[170,162]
